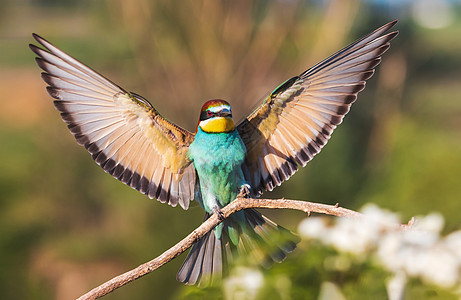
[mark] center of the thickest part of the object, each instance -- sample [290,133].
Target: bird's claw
[245,191]
[219,213]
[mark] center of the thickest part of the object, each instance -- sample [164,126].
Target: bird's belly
[218,159]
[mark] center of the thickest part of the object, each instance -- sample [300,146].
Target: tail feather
[260,239]
[197,270]
[217,258]
[207,262]
[204,259]
[190,264]
[276,241]
[265,228]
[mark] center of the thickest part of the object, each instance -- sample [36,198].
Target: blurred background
[66,226]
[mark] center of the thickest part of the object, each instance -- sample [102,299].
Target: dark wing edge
[123,133]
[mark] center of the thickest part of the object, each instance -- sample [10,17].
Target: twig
[239,204]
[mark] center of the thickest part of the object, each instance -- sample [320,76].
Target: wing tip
[387,26]
[37,50]
[41,41]
[390,35]
[392,23]
[36,36]
[54,92]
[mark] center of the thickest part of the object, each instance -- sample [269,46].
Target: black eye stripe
[204,115]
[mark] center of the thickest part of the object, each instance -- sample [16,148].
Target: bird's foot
[219,213]
[245,191]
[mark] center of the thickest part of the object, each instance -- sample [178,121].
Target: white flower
[389,251]
[384,218]
[312,227]
[244,283]
[440,267]
[419,251]
[360,236]
[433,222]
[453,243]
[353,236]
[419,238]
[396,286]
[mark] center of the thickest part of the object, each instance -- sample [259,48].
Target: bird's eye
[209,113]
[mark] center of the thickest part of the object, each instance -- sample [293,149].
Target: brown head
[216,117]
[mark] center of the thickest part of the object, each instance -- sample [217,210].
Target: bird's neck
[217,125]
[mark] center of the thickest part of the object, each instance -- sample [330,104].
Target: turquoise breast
[218,158]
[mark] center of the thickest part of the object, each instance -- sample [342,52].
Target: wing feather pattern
[124,134]
[298,118]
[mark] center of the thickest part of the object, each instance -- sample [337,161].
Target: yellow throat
[217,125]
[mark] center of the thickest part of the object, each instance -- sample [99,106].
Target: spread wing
[298,118]
[124,134]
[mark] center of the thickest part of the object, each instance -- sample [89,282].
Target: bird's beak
[225,113]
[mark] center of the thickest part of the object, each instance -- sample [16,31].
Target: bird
[131,140]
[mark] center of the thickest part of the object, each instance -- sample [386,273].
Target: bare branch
[239,204]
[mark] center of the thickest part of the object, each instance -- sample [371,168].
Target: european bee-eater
[130,140]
